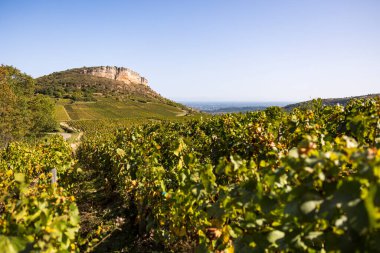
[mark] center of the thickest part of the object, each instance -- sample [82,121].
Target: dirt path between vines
[181,114]
[70,131]
[77,142]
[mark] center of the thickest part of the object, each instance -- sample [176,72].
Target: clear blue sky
[235,50]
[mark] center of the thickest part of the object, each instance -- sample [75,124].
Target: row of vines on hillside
[308,180]
[107,126]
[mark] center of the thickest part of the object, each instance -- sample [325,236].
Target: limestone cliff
[117,73]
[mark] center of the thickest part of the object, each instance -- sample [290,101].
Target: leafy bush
[22,113]
[35,214]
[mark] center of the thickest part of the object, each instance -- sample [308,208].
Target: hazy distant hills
[234,107]
[231,107]
[332,101]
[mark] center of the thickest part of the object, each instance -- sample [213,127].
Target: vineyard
[267,181]
[37,215]
[104,126]
[301,181]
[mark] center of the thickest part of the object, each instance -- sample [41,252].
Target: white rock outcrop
[117,73]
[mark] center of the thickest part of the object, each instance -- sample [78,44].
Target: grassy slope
[60,113]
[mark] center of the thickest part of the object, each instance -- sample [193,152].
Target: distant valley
[234,107]
[231,107]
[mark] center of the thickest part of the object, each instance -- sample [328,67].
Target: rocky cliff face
[117,73]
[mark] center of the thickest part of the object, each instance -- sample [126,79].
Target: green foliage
[110,108]
[109,126]
[329,101]
[36,215]
[42,109]
[21,112]
[306,180]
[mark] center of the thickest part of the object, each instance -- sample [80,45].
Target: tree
[42,109]
[7,110]
[22,113]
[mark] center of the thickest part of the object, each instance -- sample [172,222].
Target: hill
[105,92]
[84,83]
[331,101]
